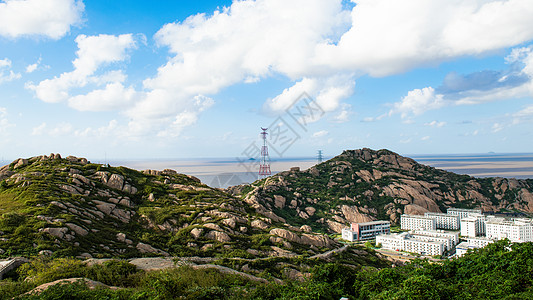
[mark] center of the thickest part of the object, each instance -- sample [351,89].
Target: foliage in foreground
[499,271]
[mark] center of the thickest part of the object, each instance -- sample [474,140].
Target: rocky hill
[364,185]
[70,207]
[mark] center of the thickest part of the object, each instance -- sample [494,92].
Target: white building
[414,222]
[516,230]
[444,221]
[406,242]
[365,231]
[452,236]
[479,242]
[473,225]
[463,212]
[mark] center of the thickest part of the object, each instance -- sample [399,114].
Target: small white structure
[516,230]
[407,242]
[365,231]
[414,222]
[444,221]
[463,212]
[471,243]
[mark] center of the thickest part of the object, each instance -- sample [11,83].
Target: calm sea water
[224,172]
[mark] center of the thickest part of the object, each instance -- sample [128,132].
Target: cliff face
[70,207]
[363,185]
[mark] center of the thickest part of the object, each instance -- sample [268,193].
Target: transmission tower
[264,166]
[319,156]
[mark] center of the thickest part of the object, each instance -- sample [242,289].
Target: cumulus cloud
[474,88]
[321,49]
[387,37]
[50,18]
[94,52]
[6,74]
[418,101]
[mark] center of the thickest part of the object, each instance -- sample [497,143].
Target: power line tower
[264,166]
[319,156]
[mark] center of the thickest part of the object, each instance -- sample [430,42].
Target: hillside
[70,207]
[363,185]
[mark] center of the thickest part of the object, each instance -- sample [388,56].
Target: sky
[190,79]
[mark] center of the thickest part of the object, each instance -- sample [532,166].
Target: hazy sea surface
[224,172]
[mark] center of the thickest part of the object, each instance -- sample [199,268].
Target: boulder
[115,181]
[57,232]
[77,229]
[196,232]
[279,201]
[218,236]
[145,248]
[259,224]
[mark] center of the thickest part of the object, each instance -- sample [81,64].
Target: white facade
[444,221]
[452,236]
[414,222]
[406,242]
[479,242]
[516,230]
[463,212]
[365,231]
[474,225]
[349,235]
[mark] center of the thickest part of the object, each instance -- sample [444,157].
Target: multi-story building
[414,222]
[463,212]
[407,242]
[479,242]
[444,221]
[365,231]
[452,237]
[473,225]
[516,230]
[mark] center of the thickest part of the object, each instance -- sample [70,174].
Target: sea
[224,172]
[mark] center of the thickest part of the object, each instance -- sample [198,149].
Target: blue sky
[179,79]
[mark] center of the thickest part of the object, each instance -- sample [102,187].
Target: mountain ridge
[363,185]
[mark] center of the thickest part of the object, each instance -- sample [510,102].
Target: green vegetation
[498,271]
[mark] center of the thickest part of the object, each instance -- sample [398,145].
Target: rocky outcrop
[145,248]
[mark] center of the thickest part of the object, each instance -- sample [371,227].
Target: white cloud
[4,122]
[435,124]
[387,37]
[418,101]
[6,74]
[50,18]
[37,65]
[94,52]
[113,96]
[497,127]
[39,130]
[425,138]
[322,49]
[320,133]
[61,129]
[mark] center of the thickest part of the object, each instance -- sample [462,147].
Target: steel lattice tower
[264,166]
[320,157]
